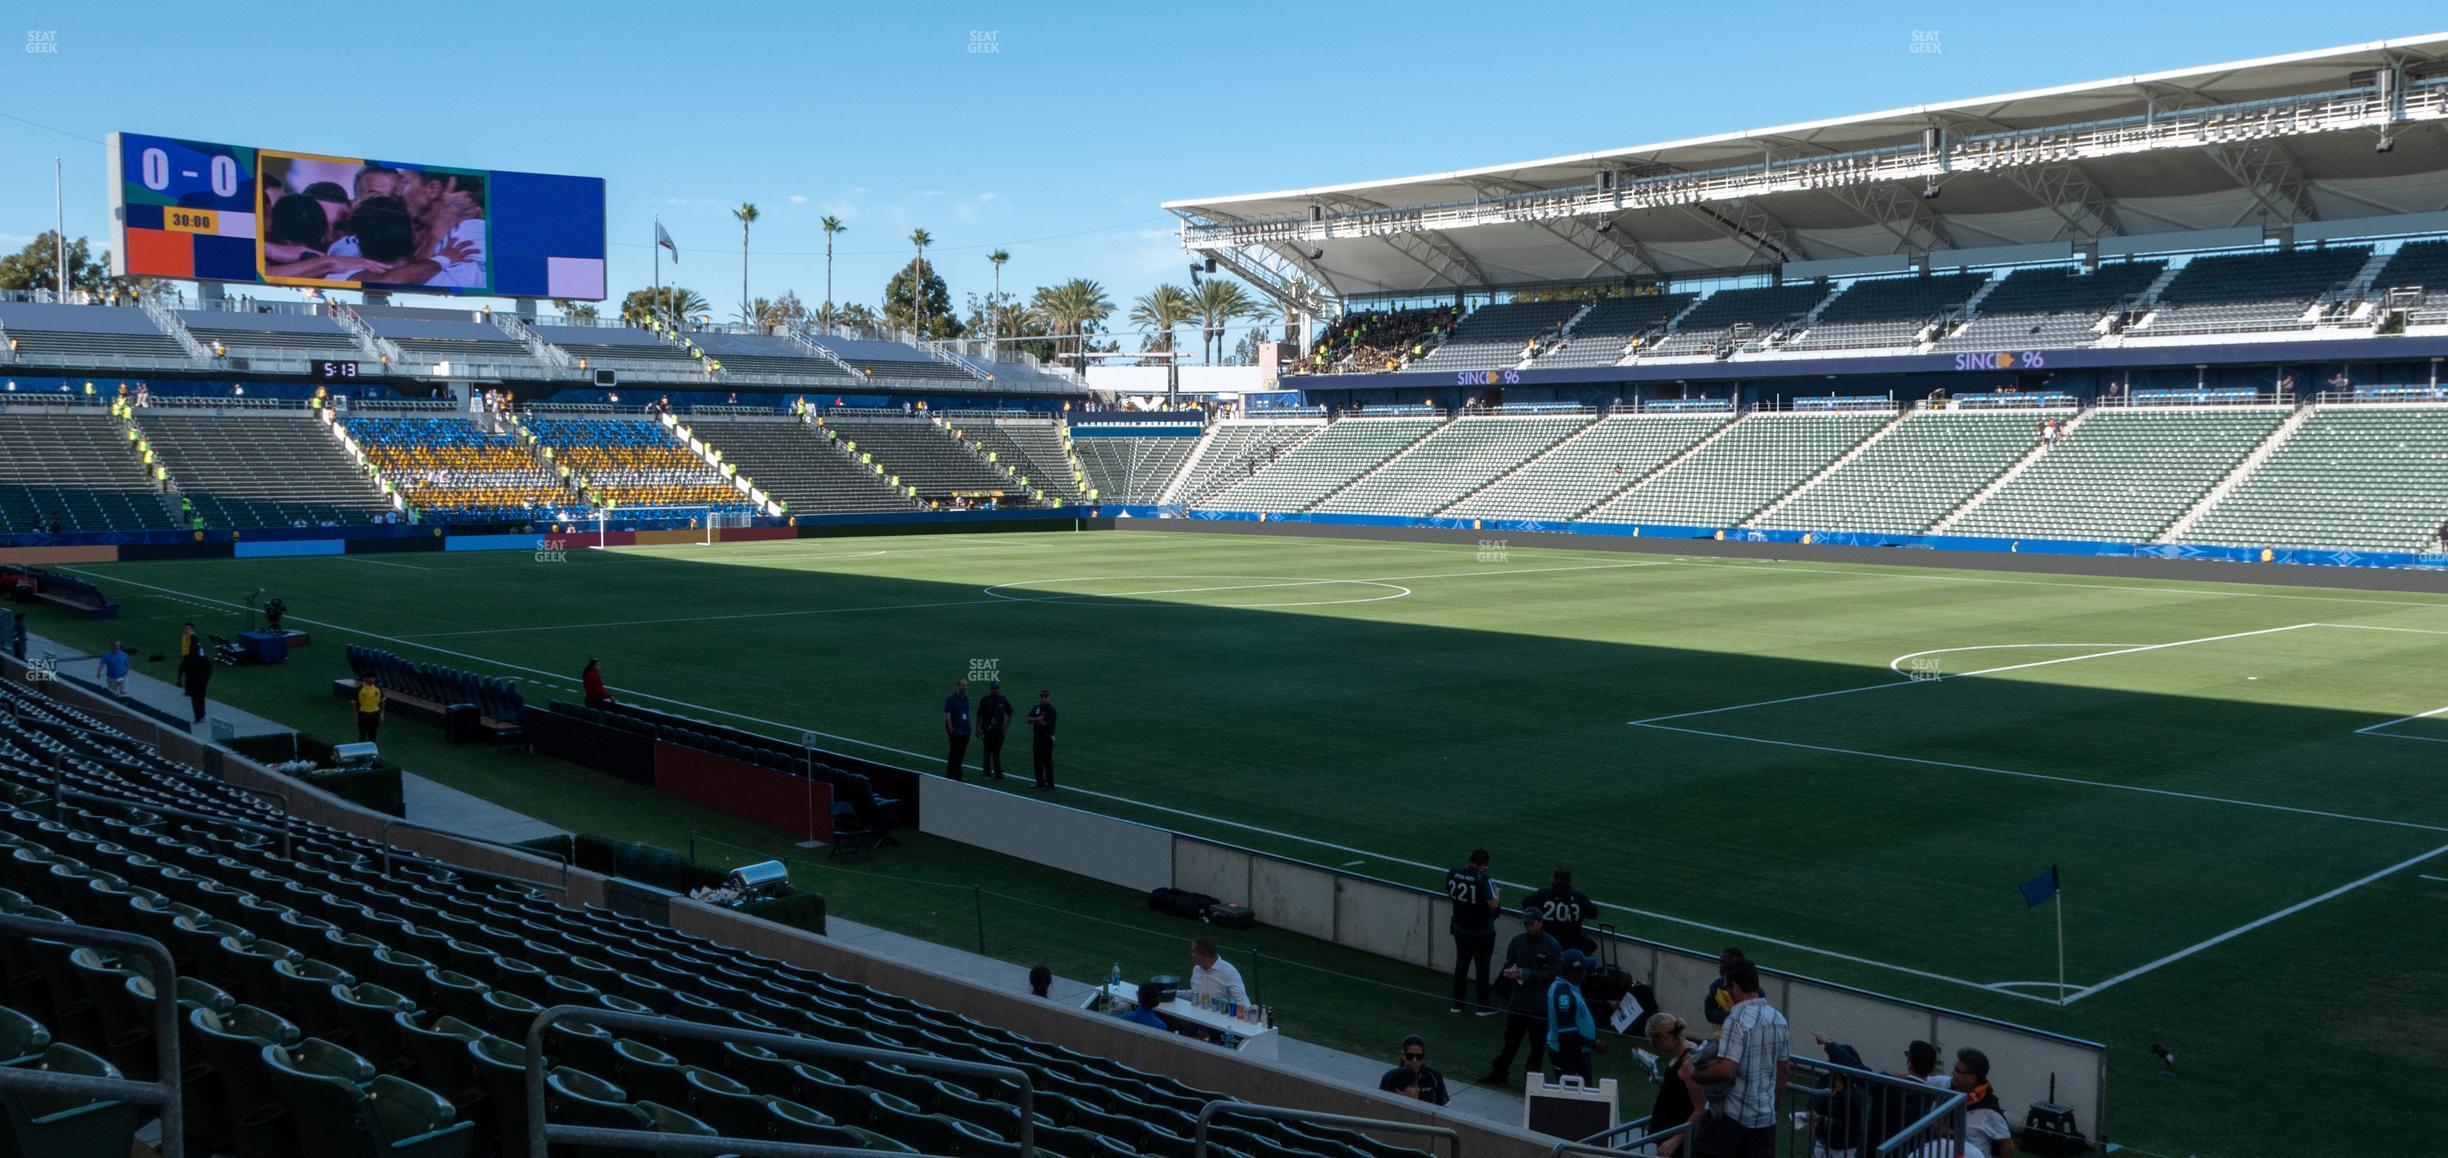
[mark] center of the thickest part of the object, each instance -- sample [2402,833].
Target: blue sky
[1059,144]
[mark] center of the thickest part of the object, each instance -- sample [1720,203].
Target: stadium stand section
[2354,475]
[1731,317]
[1125,469]
[795,463]
[460,343]
[1599,337]
[1918,470]
[765,354]
[76,469]
[334,991]
[1756,462]
[246,338]
[2242,292]
[99,337]
[2419,269]
[1462,456]
[1038,449]
[1607,456]
[627,463]
[1304,474]
[923,455]
[273,468]
[614,347]
[1883,312]
[1494,335]
[2123,474]
[894,362]
[1371,340]
[453,470]
[1234,451]
[2051,307]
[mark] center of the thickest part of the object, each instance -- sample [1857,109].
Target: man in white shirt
[1211,976]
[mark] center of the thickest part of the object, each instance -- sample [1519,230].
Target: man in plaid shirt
[1754,1056]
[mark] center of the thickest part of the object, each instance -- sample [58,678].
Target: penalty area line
[2240,930]
[2110,785]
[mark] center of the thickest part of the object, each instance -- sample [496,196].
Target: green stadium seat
[381,1117]
[62,1126]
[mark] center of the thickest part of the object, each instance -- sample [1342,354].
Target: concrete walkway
[429,803]
[221,721]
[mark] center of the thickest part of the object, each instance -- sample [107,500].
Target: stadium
[1953,597]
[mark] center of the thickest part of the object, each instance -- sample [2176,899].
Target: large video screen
[192,209]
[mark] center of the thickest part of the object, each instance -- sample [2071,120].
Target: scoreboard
[195,214]
[236,213]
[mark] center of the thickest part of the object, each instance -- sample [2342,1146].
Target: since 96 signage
[2027,360]
[1488,378]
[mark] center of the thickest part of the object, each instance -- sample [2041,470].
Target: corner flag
[2039,889]
[663,239]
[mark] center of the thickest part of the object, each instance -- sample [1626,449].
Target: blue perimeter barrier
[304,541]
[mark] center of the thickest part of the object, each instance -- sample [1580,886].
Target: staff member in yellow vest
[369,709]
[188,645]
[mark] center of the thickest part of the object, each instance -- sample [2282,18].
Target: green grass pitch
[1845,770]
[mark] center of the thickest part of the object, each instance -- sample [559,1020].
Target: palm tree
[922,239]
[1070,308]
[831,225]
[747,214]
[675,302]
[1220,302]
[994,305]
[1159,310]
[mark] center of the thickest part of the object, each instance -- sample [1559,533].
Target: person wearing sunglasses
[1414,1078]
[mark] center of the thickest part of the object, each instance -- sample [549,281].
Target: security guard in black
[1566,909]
[1473,926]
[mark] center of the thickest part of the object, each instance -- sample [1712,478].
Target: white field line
[1058,597]
[2118,650]
[2401,720]
[2240,930]
[2145,587]
[2145,790]
[789,729]
[2382,627]
[1896,665]
[2429,877]
[383,563]
[991,599]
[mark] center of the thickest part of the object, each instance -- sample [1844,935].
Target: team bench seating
[427,692]
[25,584]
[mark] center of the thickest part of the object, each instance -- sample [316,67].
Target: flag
[664,239]
[2039,889]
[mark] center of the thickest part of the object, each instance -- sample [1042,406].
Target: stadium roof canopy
[2264,145]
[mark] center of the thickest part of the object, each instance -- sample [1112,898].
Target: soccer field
[1846,770]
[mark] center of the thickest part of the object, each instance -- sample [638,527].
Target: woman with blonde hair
[1678,1097]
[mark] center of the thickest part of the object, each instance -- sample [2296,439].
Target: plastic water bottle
[1114,980]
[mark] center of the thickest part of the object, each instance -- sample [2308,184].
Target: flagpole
[2061,985]
[657,247]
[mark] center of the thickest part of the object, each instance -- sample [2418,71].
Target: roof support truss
[2270,173]
[2068,192]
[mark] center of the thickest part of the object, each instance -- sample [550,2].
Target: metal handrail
[1597,1143]
[1216,1109]
[391,822]
[540,1134]
[288,838]
[1591,1145]
[163,1094]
